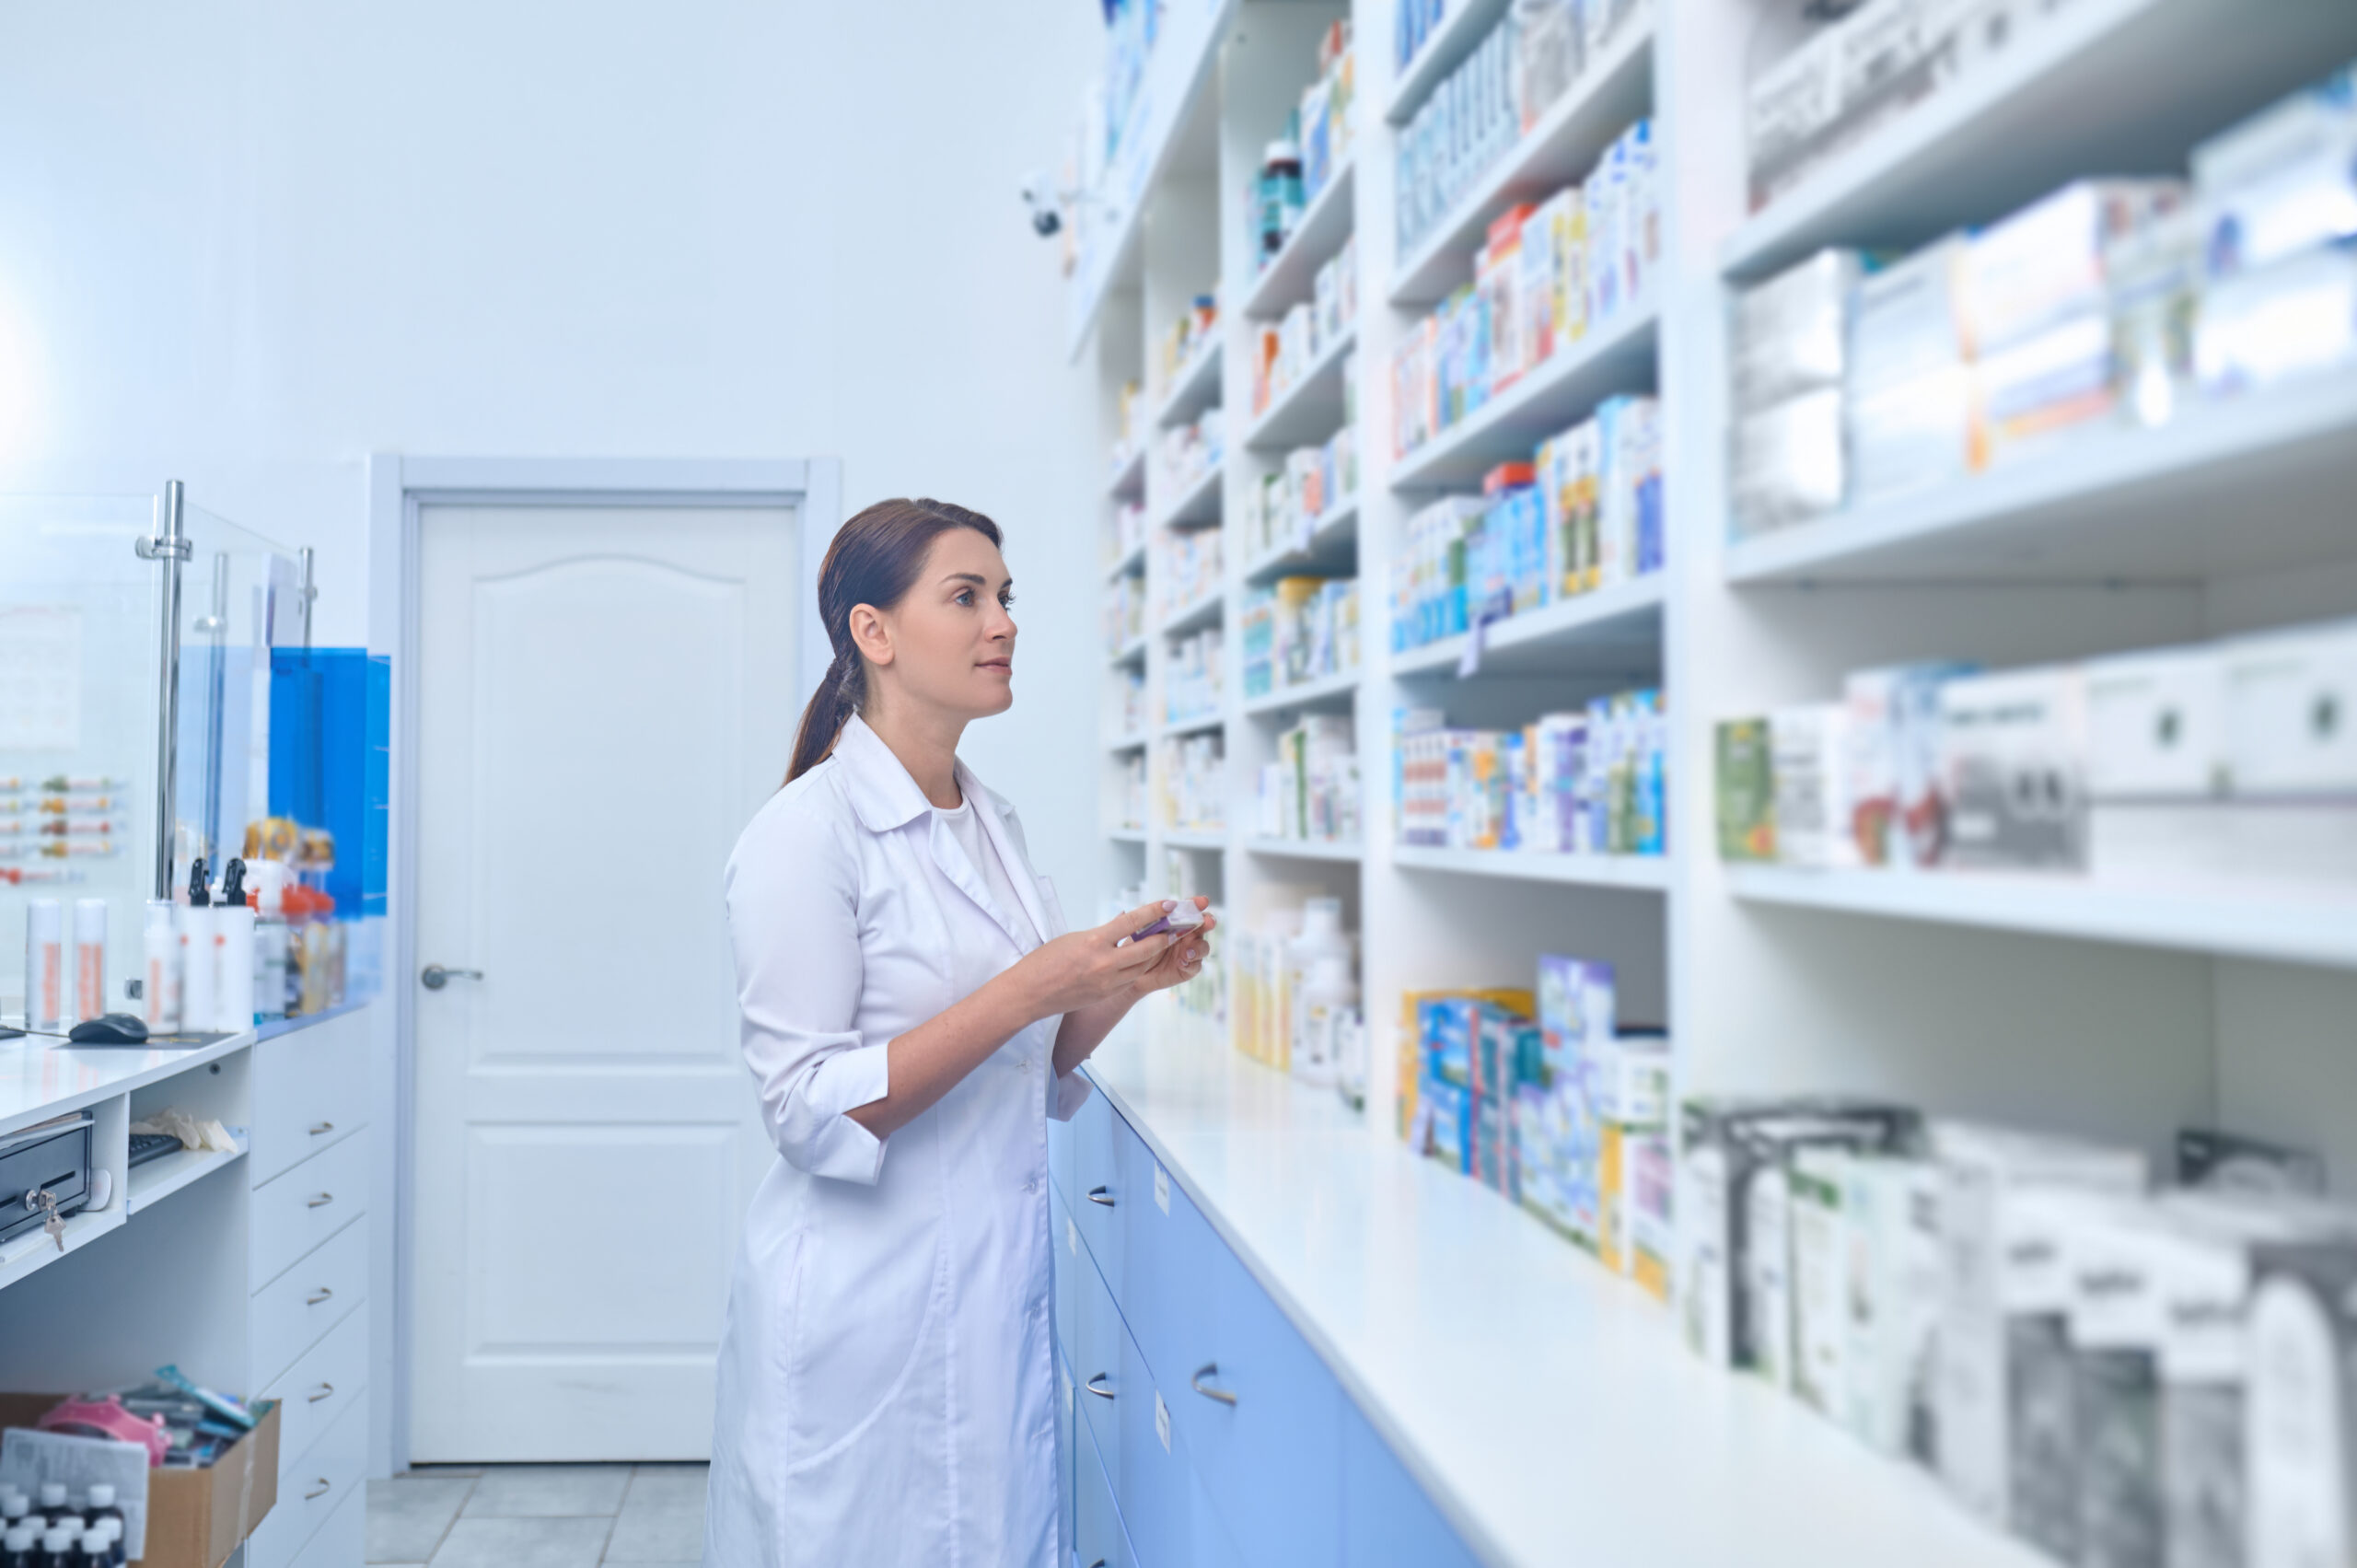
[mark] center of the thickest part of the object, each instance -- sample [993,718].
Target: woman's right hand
[1081,969]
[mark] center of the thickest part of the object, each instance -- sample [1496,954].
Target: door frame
[399,488]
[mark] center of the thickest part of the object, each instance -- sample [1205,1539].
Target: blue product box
[1448,1025]
[1449,1116]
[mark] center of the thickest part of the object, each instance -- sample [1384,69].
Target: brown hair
[874,559]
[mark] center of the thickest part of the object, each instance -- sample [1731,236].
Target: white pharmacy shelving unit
[2113,1011]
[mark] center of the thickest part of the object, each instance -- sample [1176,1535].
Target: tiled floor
[540,1517]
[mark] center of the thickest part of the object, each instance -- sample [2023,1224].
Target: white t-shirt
[967,827]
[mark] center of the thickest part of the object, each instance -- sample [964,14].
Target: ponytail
[874,559]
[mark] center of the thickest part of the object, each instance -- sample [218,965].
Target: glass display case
[160,703]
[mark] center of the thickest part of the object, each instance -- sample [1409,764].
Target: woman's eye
[1007,601]
[965,596]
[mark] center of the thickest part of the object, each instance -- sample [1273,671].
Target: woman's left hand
[1182,960]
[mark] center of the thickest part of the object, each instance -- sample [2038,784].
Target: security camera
[1039,197]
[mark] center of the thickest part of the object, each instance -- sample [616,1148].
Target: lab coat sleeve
[793,920]
[1072,1092]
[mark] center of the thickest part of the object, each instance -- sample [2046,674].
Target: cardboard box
[2045,263]
[1791,333]
[2291,702]
[1891,1212]
[2156,764]
[2302,1418]
[2284,180]
[1744,786]
[2012,770]
[1788,463]
[2004,1317]
[1810,747]
[1896,811]
[195,1518]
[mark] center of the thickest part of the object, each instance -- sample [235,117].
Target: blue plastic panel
[1387,1522]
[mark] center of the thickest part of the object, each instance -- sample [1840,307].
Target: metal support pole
[310,592]
[168,549]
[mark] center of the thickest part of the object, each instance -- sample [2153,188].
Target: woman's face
[949,643]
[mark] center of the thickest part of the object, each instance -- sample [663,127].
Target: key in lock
[52,1224]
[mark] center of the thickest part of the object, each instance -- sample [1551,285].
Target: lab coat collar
[882,790]
[886,797]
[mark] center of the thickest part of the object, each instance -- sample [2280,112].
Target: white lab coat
[886,1389]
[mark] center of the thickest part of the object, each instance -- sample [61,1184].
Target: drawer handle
[321,1202]
[322,1128]
[319,1491]
[1097,1195]
[325,1389]
[315,1300]
[1209,1369]
[1092,1388]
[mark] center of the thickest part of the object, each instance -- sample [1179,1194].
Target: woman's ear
[869,635]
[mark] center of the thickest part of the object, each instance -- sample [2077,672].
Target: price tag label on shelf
[1162,1188]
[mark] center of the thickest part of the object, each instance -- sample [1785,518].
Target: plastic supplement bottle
[18,1545]
[56,1549]
[54,1510]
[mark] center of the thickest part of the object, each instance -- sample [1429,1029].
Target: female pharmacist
[914,1013]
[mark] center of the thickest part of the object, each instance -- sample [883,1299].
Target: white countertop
[41,1078]
[1548,1405]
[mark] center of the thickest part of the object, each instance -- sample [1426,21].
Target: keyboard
[147,1147]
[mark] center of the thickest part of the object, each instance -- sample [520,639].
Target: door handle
[433,977]
[323,1293]
[1209,1369]
[1092,1388]
[1097,1195]
[321,1202]
[325,1389]
[323,1129]
[319,1491]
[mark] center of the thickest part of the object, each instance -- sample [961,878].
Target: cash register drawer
[56,1162]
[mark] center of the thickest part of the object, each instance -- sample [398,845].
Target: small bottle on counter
[13,1506]
[56,1549]
[18,1545]
[104,1510]
[117,1554]
[94,1551]
[53,1510]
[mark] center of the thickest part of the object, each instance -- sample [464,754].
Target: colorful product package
[1745,789]
[1897,815]
[1810,817]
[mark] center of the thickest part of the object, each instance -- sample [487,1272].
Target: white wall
[248,244]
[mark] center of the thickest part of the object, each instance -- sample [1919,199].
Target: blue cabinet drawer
[1387,1522]
[1097,1197]
[1166,1254]
[1060,1155]
[1069,1259]
[1096,1355]
[1097,1539]
[1272,1459]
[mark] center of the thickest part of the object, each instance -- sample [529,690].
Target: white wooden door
[605,696]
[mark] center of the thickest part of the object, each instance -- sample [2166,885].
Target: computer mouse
[115,1028]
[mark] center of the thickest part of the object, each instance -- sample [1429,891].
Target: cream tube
[44,964]
[89,958]
[162,999]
